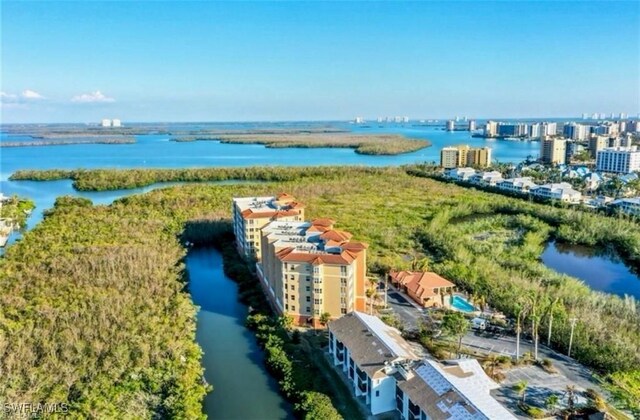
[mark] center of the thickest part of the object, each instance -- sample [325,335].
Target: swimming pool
[461,304]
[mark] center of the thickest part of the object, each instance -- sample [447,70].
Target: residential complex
[250,214]
[307,268]
[597,143]
[310,268]
[562,191]
[618,159]
[426,288]
[387,375]
[456,156]
[628,205]
[520,185]
[553,151]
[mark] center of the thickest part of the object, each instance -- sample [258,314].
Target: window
[308,310]
[286,306]
[308,288]
[293,297]
[308,298]
[343,270]
[293,308]
[377,393]
[293,287]
[317,301]
[343,311]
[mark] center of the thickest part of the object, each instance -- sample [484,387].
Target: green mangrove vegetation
[69,141]
[488,244]
[15,210]
[366,144]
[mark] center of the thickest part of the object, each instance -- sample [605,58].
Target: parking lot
[540,383]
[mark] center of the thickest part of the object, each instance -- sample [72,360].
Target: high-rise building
[512,130]
[576,131]
[105,123]
[618,159]
[548,129]
[491,129]
[451,125]
[458,156]
[116,123]
[310,268]
[472,125]
[597,143]
[479,157]
[534,131]
[251,214]
[553,151]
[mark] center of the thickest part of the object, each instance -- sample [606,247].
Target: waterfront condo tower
[310,268]
[250,214]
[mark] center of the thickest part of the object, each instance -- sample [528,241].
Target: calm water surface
[232,358]
[600,271]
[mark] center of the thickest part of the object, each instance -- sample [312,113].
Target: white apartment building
[461,174]
[451,125]
[618,159]
[369,353]
[488,178]
[628,205]
[562,191]
[387,375]
[518,185]
[116,123]
[105,123]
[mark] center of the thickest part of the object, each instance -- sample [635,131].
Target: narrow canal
[232,359]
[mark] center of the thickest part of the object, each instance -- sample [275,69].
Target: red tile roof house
[426,288]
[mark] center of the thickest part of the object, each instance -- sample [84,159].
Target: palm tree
[551,402]
[490,363]
[521,389]
[533,300]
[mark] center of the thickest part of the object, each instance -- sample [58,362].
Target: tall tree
[456,325]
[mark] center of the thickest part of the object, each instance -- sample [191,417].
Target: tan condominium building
[251,214]
[553,151]
[457,156]
[310,268]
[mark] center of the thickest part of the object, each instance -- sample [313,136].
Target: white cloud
[31,94]
[90,97]
[7,96]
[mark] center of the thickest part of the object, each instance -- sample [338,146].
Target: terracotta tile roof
[326,222]
[421,283]
[336,235]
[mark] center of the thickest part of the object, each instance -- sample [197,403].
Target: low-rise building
[310,268]
[628,205]
[488,178]
[456,389]
[250,214]
[387,375]
[427,289]
[460,174]
[520,185]
[369,353]
[562,191]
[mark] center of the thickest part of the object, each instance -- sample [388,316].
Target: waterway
[232,358]
[603,271]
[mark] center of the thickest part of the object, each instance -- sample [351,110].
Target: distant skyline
[285,61]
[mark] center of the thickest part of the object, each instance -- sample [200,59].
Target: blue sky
[235,61]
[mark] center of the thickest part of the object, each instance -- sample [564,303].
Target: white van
[478,323]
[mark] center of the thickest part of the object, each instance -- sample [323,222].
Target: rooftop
[257,207]
[372,343]
[315,242]
[421,283]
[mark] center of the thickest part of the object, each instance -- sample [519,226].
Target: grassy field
[486,243]
[366,144]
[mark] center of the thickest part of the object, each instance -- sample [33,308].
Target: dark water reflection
[232,359]
[601,270]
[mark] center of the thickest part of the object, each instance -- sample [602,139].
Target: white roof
[474,386]
[389,336]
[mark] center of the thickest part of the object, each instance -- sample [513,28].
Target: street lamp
[573,326]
